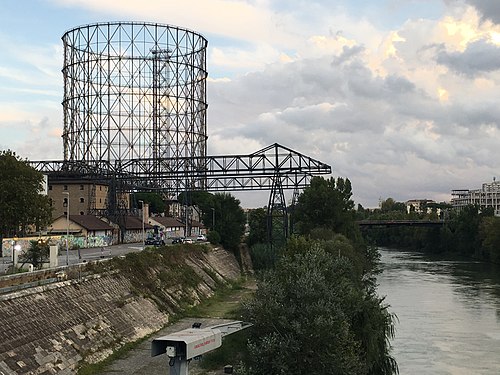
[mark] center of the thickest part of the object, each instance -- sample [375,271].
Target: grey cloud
[385,133]
[489,9]
[479,57]
[347,54]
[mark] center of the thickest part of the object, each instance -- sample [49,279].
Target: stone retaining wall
[50,329]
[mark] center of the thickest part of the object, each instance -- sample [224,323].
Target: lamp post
[213,218]
[15,247]
[67,227]
[142,221]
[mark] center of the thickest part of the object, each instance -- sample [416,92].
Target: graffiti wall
[74,242]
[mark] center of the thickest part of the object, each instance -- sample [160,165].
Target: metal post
[179,367]
[67,227]
[213,218]
[142,215]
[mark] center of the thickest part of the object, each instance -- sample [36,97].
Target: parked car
[201,237]
[154,241]
[177,240]
[188,240]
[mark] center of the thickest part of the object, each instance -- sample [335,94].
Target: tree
[229,220]
[312,314]
[155,201]
[490,237]
[257,221]
[327,204]
[21,203]
[205,202]
[37,254]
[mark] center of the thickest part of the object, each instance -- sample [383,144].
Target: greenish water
[449,313]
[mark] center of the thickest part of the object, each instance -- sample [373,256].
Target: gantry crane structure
[135,119]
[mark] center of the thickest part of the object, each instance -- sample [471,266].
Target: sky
[399,96]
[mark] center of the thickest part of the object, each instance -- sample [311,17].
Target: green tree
[313,314]
[155,201]
[205,202]
[37,254]
[21,203]
[490,238]
[391,205]
[326,204]
[257,220]
[229,220]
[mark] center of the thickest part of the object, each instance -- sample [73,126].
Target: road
[85,254]
[82,255]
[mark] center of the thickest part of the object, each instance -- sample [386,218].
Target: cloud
[489,9]
[404,109]
[479,57]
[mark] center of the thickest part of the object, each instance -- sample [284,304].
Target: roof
[90,222]
[167,221]
[133,222]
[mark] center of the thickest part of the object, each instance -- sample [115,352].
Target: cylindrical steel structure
[134,91]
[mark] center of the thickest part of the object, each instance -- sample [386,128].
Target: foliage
[37,254]
[263,256]
[155,201]
[391,205]
[257,221]
[213,237]
[205,202]
[326,204]
[490,237]
[230,220]
[313,314]
[21,203]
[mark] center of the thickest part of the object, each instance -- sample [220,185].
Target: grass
[223,304]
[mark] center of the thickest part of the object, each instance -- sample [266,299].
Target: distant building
[420,206]
[487,196]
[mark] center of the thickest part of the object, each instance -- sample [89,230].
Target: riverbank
[60,326]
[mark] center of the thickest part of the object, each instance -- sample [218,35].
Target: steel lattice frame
[135,91]
[135,118]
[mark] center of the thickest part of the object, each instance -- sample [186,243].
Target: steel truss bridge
[274,168]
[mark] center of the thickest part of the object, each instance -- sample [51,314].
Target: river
[448,311]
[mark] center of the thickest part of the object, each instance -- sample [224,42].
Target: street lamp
[67,227]
[213,218]
[142,214]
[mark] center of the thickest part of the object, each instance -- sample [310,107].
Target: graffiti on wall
[74,242]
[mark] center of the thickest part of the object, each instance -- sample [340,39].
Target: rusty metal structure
[135,119]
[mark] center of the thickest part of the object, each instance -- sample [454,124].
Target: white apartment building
[487,196]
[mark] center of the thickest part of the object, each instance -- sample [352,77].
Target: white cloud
[407,111]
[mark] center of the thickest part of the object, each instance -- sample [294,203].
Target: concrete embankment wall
[50,329]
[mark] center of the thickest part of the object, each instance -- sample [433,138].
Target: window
[82,213]
[65,202]
[81,187]
[65,213]
[65,187]
[50,187]
[82,200]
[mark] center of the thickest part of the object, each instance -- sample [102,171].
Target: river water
[448,311]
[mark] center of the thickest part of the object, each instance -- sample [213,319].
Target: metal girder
[254,171]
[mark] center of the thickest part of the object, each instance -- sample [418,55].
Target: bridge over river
[400,223]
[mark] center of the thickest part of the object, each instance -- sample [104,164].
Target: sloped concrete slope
[50,329]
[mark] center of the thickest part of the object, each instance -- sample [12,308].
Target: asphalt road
[82,255]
